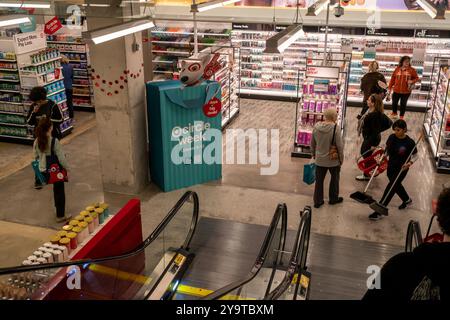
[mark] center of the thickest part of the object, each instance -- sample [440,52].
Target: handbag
[309,173]
[334,153]
[56,172]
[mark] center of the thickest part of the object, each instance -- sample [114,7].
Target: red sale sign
[212,108]
[52,26]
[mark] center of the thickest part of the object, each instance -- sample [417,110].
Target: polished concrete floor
[243,195]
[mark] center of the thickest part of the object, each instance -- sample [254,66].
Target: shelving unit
[78,54]
[13,127]
[172,42]
[437,120]
[324,87]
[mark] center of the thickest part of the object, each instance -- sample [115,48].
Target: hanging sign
[28,26]
[432,34]
[30,41]
[388,32]
[212,108]
[52,26]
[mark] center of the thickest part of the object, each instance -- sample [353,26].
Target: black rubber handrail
[413,236]
[299,255]
[185,198]
[280,214]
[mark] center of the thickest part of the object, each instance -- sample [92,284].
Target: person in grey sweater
[325,135]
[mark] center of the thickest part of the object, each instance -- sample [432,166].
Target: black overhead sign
[432,34]
[390,32]
[344,30]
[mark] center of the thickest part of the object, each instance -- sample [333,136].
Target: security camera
[338,11]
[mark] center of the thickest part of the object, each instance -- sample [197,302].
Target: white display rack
[437,119]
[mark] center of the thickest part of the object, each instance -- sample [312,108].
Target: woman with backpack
[45,147]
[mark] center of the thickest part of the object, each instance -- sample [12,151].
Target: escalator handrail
[298,257]
[156,232]
[413,232]
[280,213]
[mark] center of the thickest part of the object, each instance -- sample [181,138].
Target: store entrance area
[243,195]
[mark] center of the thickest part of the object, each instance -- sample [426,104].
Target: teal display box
[185,134]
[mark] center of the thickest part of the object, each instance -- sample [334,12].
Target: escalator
[155,268]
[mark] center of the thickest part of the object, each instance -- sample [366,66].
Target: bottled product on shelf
[437,119]
[78,54]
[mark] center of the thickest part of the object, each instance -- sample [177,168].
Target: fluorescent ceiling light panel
[13,20]
[317,7]
[25,4]
[117,31]
[434,11]
[282,40]
[211,5]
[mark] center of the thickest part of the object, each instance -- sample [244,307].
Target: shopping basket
[368,164]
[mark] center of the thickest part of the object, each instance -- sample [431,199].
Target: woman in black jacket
[422,274]
[369,85]
[371,125]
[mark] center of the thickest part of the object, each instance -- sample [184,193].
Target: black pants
[60,199]
[403,98]
[397,189]
[334,184]
[69,95]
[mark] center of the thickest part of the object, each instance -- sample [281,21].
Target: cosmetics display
[78,54]
[437,119]
[61,247]
[324,88]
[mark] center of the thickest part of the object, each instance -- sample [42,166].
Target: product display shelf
[50,77]
[324,87]
[77,53]
[175,42]
[13,127]
[437,121]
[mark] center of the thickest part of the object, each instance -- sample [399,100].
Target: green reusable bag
[185,144]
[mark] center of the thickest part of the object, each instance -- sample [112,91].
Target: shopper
[372,124]
[398,147]
[67,70]
[370,85]
[422,274]
[42,150]
[328,151]
[44,108]
[402,83]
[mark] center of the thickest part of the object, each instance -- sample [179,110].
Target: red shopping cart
[376,160]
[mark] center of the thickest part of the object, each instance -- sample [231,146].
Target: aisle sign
[28,26]
[322,72]
[52,26]
[30,41]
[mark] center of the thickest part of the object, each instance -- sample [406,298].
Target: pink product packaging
[325,105]
[312,106]
[306,105]
[308,138]
[311,88]
[305,88]
[319,106]
[304,119]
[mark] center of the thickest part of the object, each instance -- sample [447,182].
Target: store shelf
[67,129]
[53,81]
[191,33]
[13,124]
[9,91]
[268,92]
[7,69]
[53,93]
[78,61]
[81,95]
[66,42]
[81,85]
[40,63]
[173,52]
[80,69]
[13,113]
[163,72]
[9,80]
[173,42]
[10,102]
[7,60]
[164,61]
[68,51]
[81,77]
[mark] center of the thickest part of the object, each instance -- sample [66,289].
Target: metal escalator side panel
[166,283]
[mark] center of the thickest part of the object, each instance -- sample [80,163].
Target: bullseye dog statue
[199,68]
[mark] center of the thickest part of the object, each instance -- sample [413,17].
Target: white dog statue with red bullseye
[198,68]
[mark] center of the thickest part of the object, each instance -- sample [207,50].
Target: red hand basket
[369,164]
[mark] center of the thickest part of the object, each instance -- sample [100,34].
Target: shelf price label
[322,72]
